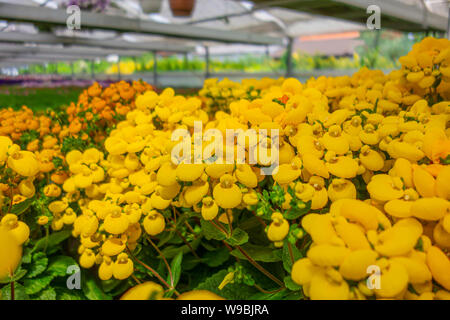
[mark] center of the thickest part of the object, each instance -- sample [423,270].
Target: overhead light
[112,58]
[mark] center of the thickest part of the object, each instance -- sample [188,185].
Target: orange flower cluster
[103,104]
[14,123]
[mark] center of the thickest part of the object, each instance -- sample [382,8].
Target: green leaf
[22,206]
[239,237]
[111,284]
[16,276]
[298,209]
[38,265]
[19,292]
[290,252]
[67,294]
[269,296]
[47,294]
[291,285]
[258,253]
[52,240]
[175,265]
[35,285]
[211,232]
[58,266]
[26,258]
[171,251]
[216,258]
[92,290]
[232,291]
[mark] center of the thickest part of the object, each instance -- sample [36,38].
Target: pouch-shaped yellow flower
[10,253]
[226,193]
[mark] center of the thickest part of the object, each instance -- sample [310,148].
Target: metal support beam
[289,67]
[90,20]
[67,50]
[49,38]
[207,58]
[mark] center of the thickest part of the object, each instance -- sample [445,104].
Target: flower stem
[291,254]
[152,271]
[260,268]
[12,291]
[164,259]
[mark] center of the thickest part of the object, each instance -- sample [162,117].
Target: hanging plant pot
[151,6]
[182,8]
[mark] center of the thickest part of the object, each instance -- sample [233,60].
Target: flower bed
[357,207]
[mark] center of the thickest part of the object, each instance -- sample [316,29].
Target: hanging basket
[182,8]
[150,6]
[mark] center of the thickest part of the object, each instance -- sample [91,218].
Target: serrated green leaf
[47,294]
[52,240]
[210,232]
[38,265]
[19,292]
[58,266]
[291,285]
[33,286]
[290,252]
[91,289]
[238,238]
[175,265]
[258,253]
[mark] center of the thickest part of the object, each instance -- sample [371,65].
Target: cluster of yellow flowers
[373,128]
[366,155]
[218,95]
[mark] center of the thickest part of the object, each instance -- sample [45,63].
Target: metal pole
[207,71]
[186,60]
[92,69]
[72,70]
[118,69]
[155,68]
[289,57]
[377,39]
[448,24]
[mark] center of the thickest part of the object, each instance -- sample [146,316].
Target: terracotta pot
[150,6]
[182,8]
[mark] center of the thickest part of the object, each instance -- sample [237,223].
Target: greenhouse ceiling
[213,23]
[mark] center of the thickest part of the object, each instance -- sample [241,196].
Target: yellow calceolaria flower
[18,229]
[24,163]
[10,253]
[145,291]
[278,229]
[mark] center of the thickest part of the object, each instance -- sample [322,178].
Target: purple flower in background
[91,5]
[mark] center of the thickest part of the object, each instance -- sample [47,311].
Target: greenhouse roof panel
[403,15]
[91,20]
